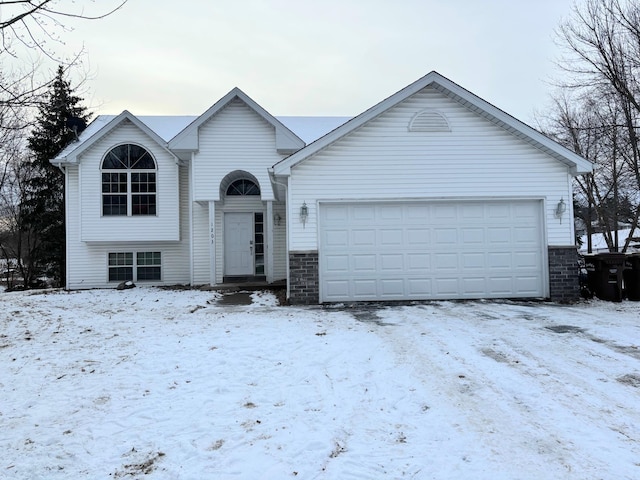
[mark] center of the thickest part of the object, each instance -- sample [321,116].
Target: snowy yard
[156,384]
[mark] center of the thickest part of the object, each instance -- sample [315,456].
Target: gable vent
[429,121]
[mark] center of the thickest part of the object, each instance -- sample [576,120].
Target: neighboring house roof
[576,163]
[187,140]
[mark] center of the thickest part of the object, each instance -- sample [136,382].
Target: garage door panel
[391,238]
[444,211]
[336,289]
[419,287]
[335,213]
[445,236]
[527,284]
[472,236]
[498,235]
[365,288]
[391,212]
[363,212]
[363,237]
[336,238]
[336,263]
[473,286]
[499,260]
[445,261]
[391,287]
[418,237]
[500,285]
[473,261]
[392,262]
[422,250]
[447,287]
[526,260]
[498,211]
[364,263]
[418,261]
[417,213]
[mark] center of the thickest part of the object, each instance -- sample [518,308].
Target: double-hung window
[128,181]
[135,266]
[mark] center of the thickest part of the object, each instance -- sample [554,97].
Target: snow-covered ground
[147,383]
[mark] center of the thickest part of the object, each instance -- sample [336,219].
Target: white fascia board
[576,163]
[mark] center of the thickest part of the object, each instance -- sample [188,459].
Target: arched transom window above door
[243,187]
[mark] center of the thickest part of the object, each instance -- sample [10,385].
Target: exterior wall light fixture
[304,213]
[561,208]
[277,219]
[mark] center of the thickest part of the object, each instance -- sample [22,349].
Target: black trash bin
[604,275]
[632,276]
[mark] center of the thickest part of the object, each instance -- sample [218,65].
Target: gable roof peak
[459,94]
[187,140]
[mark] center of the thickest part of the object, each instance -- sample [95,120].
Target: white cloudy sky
[316,57]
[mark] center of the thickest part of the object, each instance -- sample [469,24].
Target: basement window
[135,266]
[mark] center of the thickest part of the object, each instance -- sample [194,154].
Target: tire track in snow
[491,396]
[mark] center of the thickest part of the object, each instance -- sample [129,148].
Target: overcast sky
[317,57]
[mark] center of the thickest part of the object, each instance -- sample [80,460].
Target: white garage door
[435,250]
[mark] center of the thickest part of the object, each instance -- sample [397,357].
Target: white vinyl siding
[201,240]
[95,227]
[236,138]
[87,263]
[280,242]
[383,160]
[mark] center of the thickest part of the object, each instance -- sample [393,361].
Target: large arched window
[128,181]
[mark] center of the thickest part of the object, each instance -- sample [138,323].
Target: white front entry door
[238,244]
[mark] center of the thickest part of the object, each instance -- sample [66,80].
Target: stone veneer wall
[564,281]
[303,278]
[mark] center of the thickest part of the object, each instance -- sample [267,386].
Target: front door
[238,244]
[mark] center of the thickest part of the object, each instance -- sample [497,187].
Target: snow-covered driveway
[170,385]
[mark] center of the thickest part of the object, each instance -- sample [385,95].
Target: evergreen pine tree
[44,203]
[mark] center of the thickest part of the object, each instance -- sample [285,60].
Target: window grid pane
[114,183]
[120,258]
[143,182]
[120,274]
[148,273]
[148,258]
[143,205]
[114,204]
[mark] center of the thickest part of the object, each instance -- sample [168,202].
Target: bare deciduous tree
[33,23]
[598,112]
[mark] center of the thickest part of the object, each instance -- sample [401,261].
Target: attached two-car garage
[431,250]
